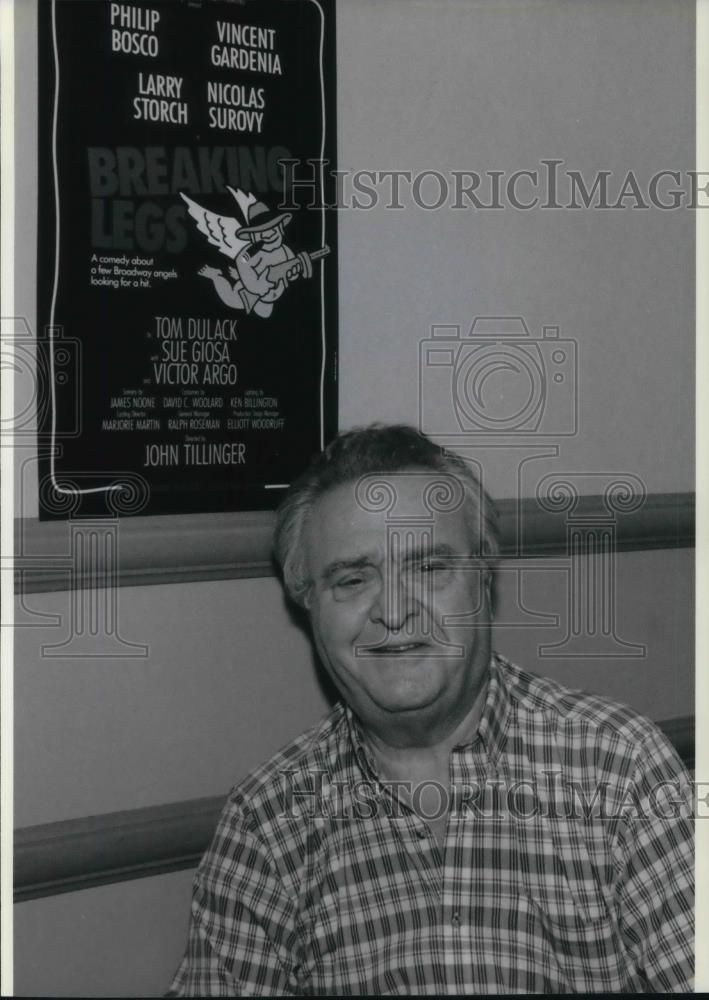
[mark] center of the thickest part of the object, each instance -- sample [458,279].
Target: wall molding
[190,547]
[98,850]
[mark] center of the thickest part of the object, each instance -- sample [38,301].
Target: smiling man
[455,824]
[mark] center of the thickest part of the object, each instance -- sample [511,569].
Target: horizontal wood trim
[664,521]
[98,850]
[150,550]
[190,547]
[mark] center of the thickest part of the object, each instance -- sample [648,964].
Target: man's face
[270,237]
[386,602]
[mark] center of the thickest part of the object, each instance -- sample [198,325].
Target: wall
[482,86]
[117,940]
[435,84]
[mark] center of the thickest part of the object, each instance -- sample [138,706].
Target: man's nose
[393,604]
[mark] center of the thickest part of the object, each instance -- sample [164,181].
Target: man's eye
[349,586]
[431,566]
[432,573]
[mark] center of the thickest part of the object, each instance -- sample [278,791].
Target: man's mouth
[393,649]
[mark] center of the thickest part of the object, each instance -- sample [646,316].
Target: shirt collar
[492,727]
[495,717]
[362,752]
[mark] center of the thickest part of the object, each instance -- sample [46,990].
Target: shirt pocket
[565,868]
[566,901]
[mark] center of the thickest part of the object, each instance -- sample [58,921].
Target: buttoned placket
[468,764]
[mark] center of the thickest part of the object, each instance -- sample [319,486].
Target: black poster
[186,256]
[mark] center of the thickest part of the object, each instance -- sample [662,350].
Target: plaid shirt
[567,864]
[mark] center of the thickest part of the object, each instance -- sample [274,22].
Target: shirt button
[455,919]
[421,833]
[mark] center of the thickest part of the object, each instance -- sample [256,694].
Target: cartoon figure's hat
[261,217]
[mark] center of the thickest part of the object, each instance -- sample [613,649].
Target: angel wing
[221,230]
[243,200]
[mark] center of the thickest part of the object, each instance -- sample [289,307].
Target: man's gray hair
[365,451]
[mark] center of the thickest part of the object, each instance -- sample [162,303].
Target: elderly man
[455,824]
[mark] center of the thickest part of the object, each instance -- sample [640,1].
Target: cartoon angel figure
[261,271]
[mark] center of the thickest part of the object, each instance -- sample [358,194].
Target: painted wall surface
[484,86]
[227,681]
[440,85]
[118,940]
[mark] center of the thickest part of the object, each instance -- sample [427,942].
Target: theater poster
[187,257]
